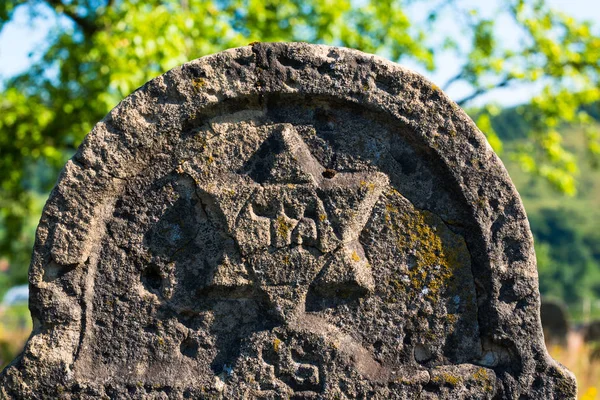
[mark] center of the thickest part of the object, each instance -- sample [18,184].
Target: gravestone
[591,331]
[591,336]
[555,322]
[285,221]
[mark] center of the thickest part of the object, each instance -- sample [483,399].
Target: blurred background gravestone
[592,331]
[555,322]
[591,338]
[285,220]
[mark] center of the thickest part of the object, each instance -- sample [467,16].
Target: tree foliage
[102,50]
[567,262]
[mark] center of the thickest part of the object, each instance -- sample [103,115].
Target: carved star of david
[296,225]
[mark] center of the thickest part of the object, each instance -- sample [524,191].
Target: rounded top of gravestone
[285,220]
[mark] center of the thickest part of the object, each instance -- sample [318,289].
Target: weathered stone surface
[555,322]
[285,221]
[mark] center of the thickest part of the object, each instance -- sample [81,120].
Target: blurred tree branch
[86,24]
[483,90]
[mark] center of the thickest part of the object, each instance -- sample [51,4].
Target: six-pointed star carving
[296,225]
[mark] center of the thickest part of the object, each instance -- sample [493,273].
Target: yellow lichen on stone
[276,344]
[202,140]
[452,318]
[390,208]
[482,376]
[198,83]
[451,379]
[417,232]
[447,378]
[403,381]
[283,227]
[370,186]
[481,202]
[396,284]
[355,257]
[322,217]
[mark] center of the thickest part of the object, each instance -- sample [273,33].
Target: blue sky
[21,37]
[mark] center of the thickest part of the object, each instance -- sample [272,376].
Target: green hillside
[566,228]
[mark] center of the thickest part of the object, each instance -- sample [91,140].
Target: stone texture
[285,221]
